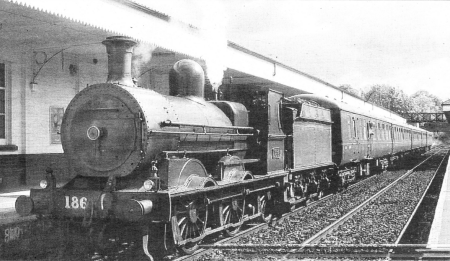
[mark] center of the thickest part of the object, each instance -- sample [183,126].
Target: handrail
[178,124]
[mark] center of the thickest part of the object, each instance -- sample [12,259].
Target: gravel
[380,222]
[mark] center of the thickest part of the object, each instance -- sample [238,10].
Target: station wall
[31,144]
[34,111]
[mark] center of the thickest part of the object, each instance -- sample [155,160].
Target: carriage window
[375,131]
[350,134]
[378,131]
[358,128]
[354,128]
[364,132]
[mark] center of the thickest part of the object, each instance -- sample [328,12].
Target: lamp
[33,86]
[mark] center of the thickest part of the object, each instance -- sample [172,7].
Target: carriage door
[369,131]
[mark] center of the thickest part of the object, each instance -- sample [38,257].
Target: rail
[292,250]
[206,248]
[419,202]
[329,229]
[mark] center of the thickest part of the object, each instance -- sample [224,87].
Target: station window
[2,101]
[5,103]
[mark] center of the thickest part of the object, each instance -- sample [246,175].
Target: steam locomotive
[200,167]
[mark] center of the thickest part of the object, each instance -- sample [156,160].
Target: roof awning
[131,18]
[128,19]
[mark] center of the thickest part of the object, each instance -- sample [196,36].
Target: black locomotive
[200,167]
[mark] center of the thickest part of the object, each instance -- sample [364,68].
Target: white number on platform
[74,202]
[13,233]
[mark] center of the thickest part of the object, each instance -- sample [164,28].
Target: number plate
[276,153]
[75,202]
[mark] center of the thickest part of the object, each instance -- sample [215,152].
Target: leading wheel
[189,224]
[232,212]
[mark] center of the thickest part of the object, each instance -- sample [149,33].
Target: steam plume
[141,56]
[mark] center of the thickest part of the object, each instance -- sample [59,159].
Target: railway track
[293,250]
[253,228]
[316,239]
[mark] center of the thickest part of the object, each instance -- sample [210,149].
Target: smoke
[213,30]
[215,63]
[210,18]
[141,57]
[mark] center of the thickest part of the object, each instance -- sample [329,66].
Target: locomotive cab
[268,144]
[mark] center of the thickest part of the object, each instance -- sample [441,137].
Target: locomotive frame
[201,167]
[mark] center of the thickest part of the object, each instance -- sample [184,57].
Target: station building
[51,50]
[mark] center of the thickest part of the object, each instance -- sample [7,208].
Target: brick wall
[36,164]
[12,171]
[29,169]
[58,81]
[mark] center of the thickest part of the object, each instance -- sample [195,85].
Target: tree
[350,90]
[423,101]
[389,97]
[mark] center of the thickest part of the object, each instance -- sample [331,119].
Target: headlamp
[148,185]
[43,183]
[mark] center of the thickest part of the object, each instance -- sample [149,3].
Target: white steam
[141,57]
[207,43]
[215,62]
[213,31]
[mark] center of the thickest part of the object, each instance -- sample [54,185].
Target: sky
[404,44]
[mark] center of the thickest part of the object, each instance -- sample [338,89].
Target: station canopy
[44,24]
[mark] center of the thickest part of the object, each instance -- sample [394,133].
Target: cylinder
[120,53]
[133,210]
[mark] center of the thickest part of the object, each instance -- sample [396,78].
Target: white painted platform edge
[437,226]
[17,193]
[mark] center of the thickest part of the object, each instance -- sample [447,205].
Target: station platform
[439,238]
[7,210]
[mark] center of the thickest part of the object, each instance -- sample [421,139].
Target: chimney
[120,52]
